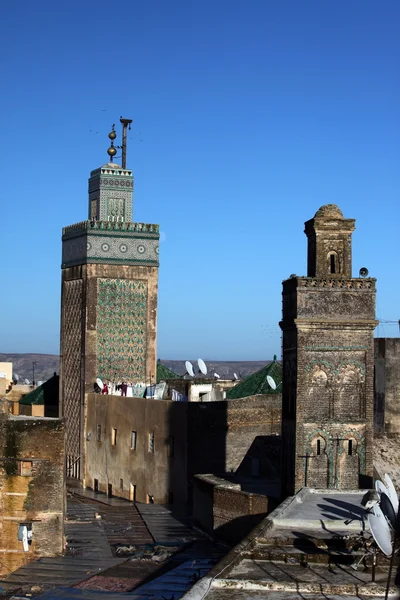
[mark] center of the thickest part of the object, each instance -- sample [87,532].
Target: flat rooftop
[307,548]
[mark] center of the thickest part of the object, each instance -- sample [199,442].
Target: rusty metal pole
[125,123]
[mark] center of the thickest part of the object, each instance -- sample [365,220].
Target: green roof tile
[164,373]
[47,391]
[257,383]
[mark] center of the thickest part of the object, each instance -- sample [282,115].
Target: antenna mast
[126,124]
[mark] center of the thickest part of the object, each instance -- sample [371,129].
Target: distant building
[328,363]
[43,400]
[32,489]
[267,380]
[109,300]
[5,377]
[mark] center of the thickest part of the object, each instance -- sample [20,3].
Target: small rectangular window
[151,442]
[350,447]
[99,433]
[171,446]
[121,485]
[133,440]
[333,264]
[318,447]
[113,436]
[25,468]
[132,492]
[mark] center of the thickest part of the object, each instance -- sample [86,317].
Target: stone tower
[328,364]
[108,302]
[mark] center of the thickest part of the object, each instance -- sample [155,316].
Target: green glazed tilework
[122,329]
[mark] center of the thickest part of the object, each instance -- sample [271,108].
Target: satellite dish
[388,510]
[99,383]
[363,272]
[26,381]
[381,488]
[202,366]
[235,376]
[380,530]
[189,368]
[216,376]
[271,382]
[16,377]
[391,492]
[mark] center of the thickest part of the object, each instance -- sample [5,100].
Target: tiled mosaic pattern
[71,363]
[122,247]
[121,329]
[112,189]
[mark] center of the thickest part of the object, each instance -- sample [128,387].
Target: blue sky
[248,116]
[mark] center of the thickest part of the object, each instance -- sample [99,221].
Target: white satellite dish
[16,377]
[99,383]
[391,492]
[271,382]
[380,530]
[388,510]
[216,376]
[235,376]
[202,366]
[189,368]
[380,487]
[26,381]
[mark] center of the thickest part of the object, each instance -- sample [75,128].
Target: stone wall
[387,386]
[328,382]
[224,437]
[224,511]
[156,468]
[32,488]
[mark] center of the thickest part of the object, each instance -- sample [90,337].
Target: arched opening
[317,462]
[333,263]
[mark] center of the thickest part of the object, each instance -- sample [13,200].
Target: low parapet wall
[223,510]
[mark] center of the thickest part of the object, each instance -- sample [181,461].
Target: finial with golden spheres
[112,151]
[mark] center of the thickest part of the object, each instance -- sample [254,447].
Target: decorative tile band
[122,329]
[84,226]
[126,248]
[339,284]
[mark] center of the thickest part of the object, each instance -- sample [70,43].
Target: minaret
[328,324]
[109,298]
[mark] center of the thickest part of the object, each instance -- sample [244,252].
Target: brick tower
[328,364]
[108,302]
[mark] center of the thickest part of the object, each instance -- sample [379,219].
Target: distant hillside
[47,364]
[224,368]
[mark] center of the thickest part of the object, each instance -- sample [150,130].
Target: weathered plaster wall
[32,488]
[159,473]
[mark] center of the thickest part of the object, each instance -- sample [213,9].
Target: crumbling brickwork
[32,490]
[328,361]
